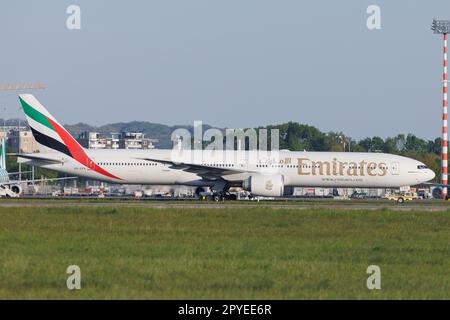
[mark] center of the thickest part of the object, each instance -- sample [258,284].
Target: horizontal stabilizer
[35,157]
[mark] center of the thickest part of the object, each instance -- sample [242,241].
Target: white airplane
[262,173]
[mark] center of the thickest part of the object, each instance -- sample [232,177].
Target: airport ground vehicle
[358,195]
[402,197]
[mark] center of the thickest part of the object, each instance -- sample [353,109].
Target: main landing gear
[219,196]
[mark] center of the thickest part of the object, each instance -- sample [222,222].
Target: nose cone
[430,174]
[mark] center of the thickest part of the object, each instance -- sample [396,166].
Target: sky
[230,63]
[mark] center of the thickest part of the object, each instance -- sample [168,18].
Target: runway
[329,204]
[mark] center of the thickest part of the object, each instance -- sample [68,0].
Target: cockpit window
[421,166]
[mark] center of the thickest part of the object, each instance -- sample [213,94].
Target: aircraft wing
[35,157]
[37,180]
[206,172]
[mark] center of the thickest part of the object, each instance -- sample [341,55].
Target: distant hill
[161,132]
[12,122]
[152,130]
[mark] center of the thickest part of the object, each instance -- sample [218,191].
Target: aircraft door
[395,168]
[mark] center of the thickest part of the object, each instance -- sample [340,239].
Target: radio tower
[443,27]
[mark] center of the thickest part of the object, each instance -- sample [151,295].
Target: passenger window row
[127,164]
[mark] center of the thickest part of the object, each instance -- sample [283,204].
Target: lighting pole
[4,119]
[342,138]
[443,27]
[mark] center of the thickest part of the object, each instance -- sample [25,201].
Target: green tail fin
[3,154]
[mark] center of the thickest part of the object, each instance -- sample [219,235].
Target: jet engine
[437,193]
[265,185]
[16,188]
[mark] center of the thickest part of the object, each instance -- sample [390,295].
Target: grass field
[231,253]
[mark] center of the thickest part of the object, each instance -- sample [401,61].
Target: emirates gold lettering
[318,166]
[383,168]
[352,169]
[341,168]
[335,167]
[371,166]
[301,170]
[361,168]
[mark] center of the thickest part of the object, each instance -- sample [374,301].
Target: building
[135,140]
[5,131]
[113,141]
[124,140]
[92,140]
[22,141]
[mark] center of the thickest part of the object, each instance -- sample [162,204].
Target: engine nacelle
[437,193]
[265,185]
[16,188]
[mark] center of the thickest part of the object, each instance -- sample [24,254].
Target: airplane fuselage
[321,169]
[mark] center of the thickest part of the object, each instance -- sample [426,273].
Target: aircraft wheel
[400,200]
[232,197]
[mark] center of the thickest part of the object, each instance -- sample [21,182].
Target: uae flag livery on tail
[49,133]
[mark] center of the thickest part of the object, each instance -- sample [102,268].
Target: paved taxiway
[292,205]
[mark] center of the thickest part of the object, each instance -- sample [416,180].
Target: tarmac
[328,204]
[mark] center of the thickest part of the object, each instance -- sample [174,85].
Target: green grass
[230,253]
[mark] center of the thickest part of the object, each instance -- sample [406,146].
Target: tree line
[299,137]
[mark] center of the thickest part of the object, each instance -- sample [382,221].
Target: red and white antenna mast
[443,27]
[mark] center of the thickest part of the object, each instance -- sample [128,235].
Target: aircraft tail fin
[46,129]
[50,134]
[3,154]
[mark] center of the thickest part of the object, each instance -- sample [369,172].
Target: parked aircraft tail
[3,154]
[50,134]
[46,129]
